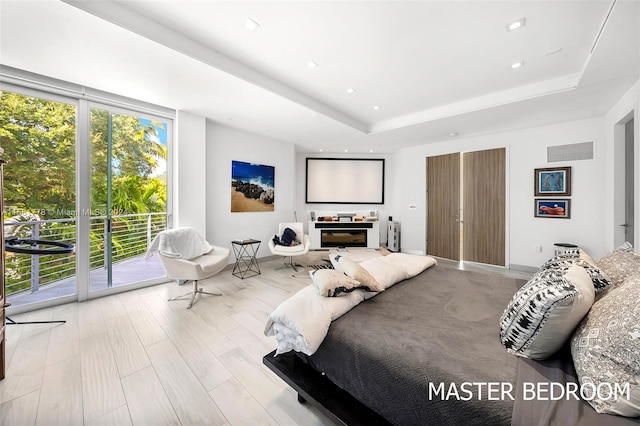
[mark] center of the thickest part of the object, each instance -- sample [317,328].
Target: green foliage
[39,140]
[38,137]
[135,155]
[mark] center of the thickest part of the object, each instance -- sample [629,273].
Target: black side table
[246,260]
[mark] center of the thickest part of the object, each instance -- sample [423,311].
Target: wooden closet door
[443,206]
[484,206]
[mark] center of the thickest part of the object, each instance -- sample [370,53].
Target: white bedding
[181,243]
[301,322]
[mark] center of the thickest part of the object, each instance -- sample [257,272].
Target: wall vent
[572,152]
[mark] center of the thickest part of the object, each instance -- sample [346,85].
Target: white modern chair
[290,251]
[186,256]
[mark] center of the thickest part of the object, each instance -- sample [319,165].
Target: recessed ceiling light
[251,25]
[320,150]
[453,134]
[517,65]
[312,64]
[377,107]
[516,24]
[351,90]
[370,150]
[346,150]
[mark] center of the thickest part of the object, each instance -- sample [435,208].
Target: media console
[327,235]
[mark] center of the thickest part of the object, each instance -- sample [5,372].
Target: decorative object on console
[346,216]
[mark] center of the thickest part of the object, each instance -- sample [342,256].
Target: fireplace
[331,234]
[343,238]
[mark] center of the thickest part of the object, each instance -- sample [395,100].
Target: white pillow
[332,283]
[385,273]
[544,312]
[606,350]
[412,264]
[355,271]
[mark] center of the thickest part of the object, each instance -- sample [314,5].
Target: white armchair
[288,252]
[187,256]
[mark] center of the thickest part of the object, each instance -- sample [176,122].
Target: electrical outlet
[537,249]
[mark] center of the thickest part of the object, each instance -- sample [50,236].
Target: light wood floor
[135,358]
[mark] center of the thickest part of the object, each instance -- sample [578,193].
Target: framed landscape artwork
[252,187]
[554,208]
[554,181]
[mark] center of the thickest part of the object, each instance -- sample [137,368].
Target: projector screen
[345,181]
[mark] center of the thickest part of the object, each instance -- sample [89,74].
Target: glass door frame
[84,100]
[70,100]
[84,193]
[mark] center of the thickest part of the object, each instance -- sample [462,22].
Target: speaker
[313,216]
[393,236]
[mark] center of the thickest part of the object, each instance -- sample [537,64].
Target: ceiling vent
[572,152]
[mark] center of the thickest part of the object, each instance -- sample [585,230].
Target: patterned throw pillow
[355,271]
[619,265]
[544,312]
[332,283]
[564,261]
[606,351]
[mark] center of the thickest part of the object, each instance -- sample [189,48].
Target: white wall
[526,150]
[627,107]
[303,210]
[190,172]
[224,145]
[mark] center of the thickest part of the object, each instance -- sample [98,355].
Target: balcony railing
[130,237]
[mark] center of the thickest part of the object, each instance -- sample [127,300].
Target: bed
[426,351]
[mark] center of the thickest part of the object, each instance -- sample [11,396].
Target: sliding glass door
[128,195]
[38,135]
[90,175]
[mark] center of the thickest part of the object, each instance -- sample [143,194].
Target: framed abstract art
[552,182]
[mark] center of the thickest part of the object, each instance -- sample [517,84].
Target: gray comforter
[424,351]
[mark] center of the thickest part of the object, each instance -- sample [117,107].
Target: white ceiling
[434,67]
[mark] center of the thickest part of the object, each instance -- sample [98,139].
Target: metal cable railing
[130,237]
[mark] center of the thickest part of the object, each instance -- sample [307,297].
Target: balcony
[32,278]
